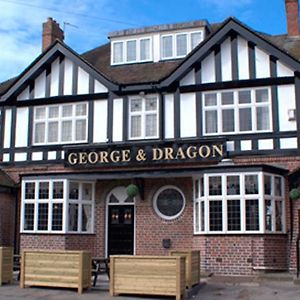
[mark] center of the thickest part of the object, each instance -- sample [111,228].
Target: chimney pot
[292,15]
[51,32]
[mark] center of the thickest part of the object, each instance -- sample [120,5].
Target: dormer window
[131,51]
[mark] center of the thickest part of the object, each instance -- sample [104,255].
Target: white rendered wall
[83,82]
[40,86]
[100,121]
[262,63]
[226,61]
[54,81]
[208,73]
[283,70]
[286,101]
[99,87]
[7,128]
[118,120]
[188,79]
[243,58]
[169,116]
[68,77]
[24,95]
[22,116]
[188,122]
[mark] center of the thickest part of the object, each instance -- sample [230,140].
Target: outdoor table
[100,265]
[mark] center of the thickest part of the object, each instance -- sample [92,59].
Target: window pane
[244,97]
[145,49]
[195,39]
[252,218]
[151,125]
[57,216]
[135,130]
[151,104]
[52,132]
[74,190]
[262,96]
[80,133]
[215,185]
[67,110]
[53,112]
[201,186]
[118,52]
[44,190]
[278,186]
[43,216]
[268,214]
[167,46]
[39,133]
[210,100]
[278,215]
[263,119]
[136,105]
[227,98]
[267,184]
[215,216]
[211,121]
[66,131]
[197,188]
[245,119]
[58,190]
[28,216]
[73,217]
[197,217]
[251,184]
[29,190]
[81,109]
[202,216]
[40,113]
[87,189]
[228,120]
[181,41]
[233,185]
[131,51]
[86,218]
[234,215]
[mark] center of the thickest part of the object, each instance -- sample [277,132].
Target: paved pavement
[213,288]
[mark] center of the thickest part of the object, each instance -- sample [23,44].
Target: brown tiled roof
[6,84]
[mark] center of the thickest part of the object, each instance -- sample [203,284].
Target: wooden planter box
[192,265]
[147,275]
[6,265]
[69,269]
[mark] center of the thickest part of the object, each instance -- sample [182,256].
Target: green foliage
[132,190]
[294,194]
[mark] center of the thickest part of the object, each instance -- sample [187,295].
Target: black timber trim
[49,56]
[218,64]
[177,114]
[13,132]
[252,65]
[75,80]
[237,84]
[31,90]
[125,117]
[61,75]
[198,102]
[110,116]
[161,117]
[2,119]
[91,84]
[297,92]
[48,81]
[30,131]
[274,100]
[231,25]
[90,122]
[234,57]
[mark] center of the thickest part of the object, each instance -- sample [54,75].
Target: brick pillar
[292,16]
[51,32]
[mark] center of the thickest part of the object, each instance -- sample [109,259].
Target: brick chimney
[292,15]
[51,32]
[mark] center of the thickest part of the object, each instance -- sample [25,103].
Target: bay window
[57,206]
[56,124]
[238,111]
[238,203]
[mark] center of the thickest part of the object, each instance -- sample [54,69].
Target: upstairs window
[180,44]
[238,111]
[130,51]
[143,117]
[57,124]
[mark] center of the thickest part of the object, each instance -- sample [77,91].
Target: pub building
[180,136]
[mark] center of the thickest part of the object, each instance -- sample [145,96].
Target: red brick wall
[43,241]
[7,219]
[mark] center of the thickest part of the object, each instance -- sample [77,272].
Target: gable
[58,72]
[233,53]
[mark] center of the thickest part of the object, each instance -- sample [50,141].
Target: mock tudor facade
[168,137]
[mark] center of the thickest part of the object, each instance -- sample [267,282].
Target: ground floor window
[57,206]
[238,203]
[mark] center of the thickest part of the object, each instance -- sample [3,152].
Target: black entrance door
[120,229]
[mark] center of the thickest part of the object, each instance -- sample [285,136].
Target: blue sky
[92,20]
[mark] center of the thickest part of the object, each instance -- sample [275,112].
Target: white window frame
[206,198]
[50,201]
[143,113]
[236,107]
[174,43]
[60,119]
[138,50]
